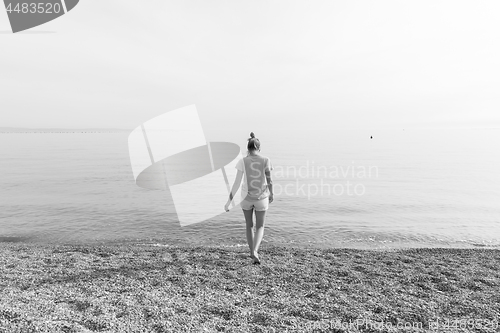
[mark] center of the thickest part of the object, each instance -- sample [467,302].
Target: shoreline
[132,287]
[162,242]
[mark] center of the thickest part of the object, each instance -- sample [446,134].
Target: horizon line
[6,128]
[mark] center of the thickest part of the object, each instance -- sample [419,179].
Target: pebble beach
[161,288]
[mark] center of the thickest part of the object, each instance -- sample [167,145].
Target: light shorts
[258,205]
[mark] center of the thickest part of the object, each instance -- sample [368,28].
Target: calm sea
[339,188]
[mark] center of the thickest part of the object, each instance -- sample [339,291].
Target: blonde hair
[253,142]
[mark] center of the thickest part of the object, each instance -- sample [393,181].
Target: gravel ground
[147,288]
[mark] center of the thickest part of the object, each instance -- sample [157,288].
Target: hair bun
[252,135]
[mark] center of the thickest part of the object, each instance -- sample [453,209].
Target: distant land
[62,130]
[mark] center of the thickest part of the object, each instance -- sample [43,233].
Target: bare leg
[249,221]
[260,218]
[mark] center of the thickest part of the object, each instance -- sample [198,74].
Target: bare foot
[256,259]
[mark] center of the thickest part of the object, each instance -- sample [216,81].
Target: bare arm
[270,185]
[236,185]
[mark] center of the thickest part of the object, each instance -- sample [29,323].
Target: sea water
[336,188]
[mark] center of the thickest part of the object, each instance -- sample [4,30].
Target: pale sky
[256,64]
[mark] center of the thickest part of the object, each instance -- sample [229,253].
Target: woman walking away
[256,193]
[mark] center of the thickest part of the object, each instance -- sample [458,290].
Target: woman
[256,193]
